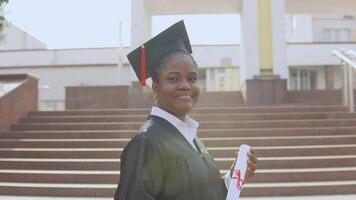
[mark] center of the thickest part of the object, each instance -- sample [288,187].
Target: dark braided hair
[163,61]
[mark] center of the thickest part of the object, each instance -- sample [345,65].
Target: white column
[279,38]
[249,40]
[140,23]
[140,32]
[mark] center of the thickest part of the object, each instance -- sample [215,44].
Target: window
[293,79]
[202,79]
[302,79]
[336,35]
[223,79]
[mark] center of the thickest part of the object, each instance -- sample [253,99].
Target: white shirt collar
[188,128]
[173,119]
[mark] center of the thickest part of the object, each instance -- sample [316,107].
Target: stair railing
[346,57]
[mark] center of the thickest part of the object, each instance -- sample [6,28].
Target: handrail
[351,53]
[346,57]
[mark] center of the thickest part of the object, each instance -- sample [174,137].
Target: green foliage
[2,19]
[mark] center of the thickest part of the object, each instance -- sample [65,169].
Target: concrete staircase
[308,150]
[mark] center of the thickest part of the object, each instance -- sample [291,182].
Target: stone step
[56,176]
[203,125]
[58,190]
[279,141]
[112,177]
[63,143]
[284,151]
[304,175]
[62,134]
[199,117]
[61,164]
[306,150]
[222,163]
[209,142]
[296,162]
[108,190]
[78,126]
[213,99]
[216,152]
[201,110]
[60,153]
[299,189]
[79,118]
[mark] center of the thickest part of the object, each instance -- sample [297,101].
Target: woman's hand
[251,165]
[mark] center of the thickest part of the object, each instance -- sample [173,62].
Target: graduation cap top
[145,57]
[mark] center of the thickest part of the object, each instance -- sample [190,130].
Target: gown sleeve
[140,172]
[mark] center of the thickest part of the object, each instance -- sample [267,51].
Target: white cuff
[227,180]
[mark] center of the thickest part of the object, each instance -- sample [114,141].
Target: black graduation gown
[160,164]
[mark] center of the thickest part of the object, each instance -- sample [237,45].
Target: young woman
[166,160]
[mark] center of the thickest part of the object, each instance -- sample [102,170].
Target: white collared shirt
[188,128]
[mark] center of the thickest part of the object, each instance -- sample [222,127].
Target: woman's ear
[155,87]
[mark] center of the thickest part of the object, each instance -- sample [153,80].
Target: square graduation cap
[145,57]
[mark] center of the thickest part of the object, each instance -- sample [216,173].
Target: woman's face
[177,90]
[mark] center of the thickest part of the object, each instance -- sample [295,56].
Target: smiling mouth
[184,97]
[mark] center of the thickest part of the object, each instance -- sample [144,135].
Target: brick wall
[91,97]
[16,103]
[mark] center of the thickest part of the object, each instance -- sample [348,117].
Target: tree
[2,18]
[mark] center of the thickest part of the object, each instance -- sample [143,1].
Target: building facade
[280,39]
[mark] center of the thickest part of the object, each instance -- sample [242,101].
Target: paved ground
[331,197]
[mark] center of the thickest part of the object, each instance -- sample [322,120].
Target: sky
[91,24]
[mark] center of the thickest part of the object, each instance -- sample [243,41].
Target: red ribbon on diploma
[240,182]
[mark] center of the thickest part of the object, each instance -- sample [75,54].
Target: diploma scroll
[238,176]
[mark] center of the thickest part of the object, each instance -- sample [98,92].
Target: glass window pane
[313,80]
[202,79]
[212,81]
[293,79]
[304,81]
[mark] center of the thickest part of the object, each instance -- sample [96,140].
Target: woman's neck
[181,117]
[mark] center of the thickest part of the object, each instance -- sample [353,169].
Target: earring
[155,100]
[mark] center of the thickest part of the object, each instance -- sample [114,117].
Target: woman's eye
[173,78]
[193,79]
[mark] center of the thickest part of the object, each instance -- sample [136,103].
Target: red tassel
[143,66]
